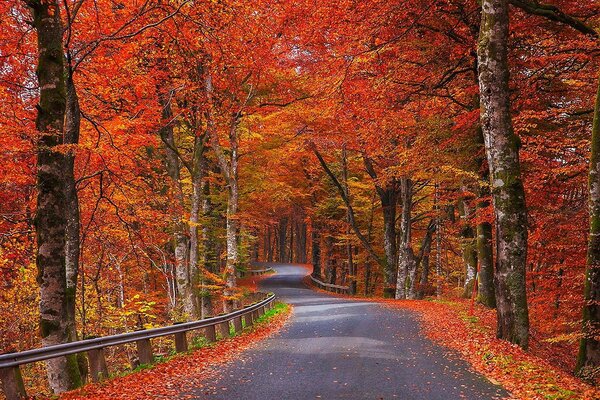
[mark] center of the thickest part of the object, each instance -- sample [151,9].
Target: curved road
[336,348]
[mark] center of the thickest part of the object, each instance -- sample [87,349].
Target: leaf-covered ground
[527,375]
[173,378]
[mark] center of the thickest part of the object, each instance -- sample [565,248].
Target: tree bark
[388,196]
[185,301]
[51,218]
[486,293]
[502,148]
[406,257]
[418,291]
[588,359]
[194,307]
[316,251]
[283,223]
[469,247]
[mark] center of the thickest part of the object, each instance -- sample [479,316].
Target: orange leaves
[174,378]
[527,375]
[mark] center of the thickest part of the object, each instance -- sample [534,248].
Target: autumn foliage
[343,134]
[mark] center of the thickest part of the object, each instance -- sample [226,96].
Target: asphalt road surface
[335,348]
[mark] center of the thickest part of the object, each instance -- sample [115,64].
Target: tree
[502,147]
[51,219]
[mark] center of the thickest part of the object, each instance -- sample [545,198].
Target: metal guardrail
[9,363]
[253,272]
[330,287]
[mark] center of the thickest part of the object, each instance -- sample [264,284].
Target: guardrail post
[248,319]
[12,383]
[237,324]
[261,311]
[98,368]
[181,343]
[144,349]
[224,329]
[210,333]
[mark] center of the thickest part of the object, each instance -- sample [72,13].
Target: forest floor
[543,372]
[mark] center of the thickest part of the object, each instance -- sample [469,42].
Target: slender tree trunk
[283,222]
[351,270]
[206,308]
[438,241]
[588,360]
[193,305]
[316,251]
[232,243]
[416,289]
[51,219]
[502,148]
[487,293]
[291,252]
[469,247]
[185,301]
[72,127]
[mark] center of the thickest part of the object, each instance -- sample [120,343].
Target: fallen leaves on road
[527,375]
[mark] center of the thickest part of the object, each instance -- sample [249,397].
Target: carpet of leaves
[527,375]
[174,378]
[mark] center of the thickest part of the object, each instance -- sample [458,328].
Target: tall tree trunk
[291,252]
[469,247]
[51,218]
[232,243]
[194,306]
[316,251]
[438,240]
[283,222]
[588,360]
[185,301]
[416,290]
[351,267]
[486,293]
[206,262]
[388,196]
[406,258]
[502,148]
[72,128]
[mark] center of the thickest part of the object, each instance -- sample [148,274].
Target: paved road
[342,349]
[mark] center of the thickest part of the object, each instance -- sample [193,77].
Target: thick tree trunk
[388,196]
[588,360]
[406,257]
[51,219]
[502,148]
[388,199]
[469,248]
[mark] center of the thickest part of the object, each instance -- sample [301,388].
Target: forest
[155,150]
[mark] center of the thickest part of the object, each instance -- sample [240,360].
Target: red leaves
[527,375]
[184,372]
